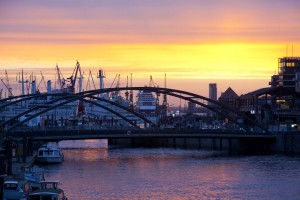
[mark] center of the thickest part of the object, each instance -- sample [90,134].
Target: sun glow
[198,61]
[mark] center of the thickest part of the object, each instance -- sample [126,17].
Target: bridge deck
[79,134]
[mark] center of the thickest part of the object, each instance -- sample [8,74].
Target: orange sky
[208,41]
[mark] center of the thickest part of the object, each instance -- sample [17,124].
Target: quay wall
[286,143]
[233,145]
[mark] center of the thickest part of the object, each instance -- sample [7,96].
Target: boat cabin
[49,191]
[12,190]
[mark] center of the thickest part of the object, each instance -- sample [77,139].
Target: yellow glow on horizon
[186,61]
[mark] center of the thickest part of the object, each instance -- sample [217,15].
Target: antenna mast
[165,102]
[131,91]
[127,93]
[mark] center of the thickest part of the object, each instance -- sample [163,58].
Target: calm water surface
[93,171]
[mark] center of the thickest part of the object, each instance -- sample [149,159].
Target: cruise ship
[146,105]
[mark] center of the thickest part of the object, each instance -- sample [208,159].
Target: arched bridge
[54,101]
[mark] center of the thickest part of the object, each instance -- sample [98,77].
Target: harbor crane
[60,78]
[152,84]
[42,80]
[73,78]
[116,93]
[90,79]
[7,85]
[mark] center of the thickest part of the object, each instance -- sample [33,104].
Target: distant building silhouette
[212,92]
[229,97]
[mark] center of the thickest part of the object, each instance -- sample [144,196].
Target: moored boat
[49,154]
[49,190]
[33,175]
[12,190]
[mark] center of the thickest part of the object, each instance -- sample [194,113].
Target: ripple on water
[104,173]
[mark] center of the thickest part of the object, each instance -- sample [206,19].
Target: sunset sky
[194,41]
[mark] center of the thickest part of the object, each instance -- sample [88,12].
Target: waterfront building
[288,73]
[279,105]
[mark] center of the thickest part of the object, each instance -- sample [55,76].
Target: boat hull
[44,159]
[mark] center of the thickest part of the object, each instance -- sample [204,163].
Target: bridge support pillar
[229,145]
[132,142]
[199,143]
[174,142]
[24,149]
[221,144]
[29,147]
[214,143]
[8,147]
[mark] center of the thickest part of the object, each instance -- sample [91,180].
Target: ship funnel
[49,86]
[101,76]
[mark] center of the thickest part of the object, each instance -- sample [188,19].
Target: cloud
[169,21]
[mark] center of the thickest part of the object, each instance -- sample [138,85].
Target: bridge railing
[82,130]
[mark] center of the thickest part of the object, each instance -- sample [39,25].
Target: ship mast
[131,93]
[165,102]
[127,93]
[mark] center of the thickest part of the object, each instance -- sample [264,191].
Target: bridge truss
[58,100]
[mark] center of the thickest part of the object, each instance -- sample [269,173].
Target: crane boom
[42,80]
[74,76]
[6,79]
[60,78]
[88,84]
[8,88]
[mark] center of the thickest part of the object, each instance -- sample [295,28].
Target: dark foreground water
[103,173]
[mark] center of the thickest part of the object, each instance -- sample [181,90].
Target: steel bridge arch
[172,92]
[36,107]
[68,96]
[191,97]
[68,101]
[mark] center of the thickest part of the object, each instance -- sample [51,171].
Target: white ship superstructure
[146,105]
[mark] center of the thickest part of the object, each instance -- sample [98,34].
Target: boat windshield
[10,186]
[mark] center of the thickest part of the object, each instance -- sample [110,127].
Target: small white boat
[49,190]
[12,190]
[49,154]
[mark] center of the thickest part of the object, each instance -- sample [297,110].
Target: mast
[165,102]
[23,91]
[127,93]
[131,93]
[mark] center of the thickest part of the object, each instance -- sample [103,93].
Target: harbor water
[93,171]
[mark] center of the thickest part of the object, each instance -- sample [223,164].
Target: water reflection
[104,173]
[83,144]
